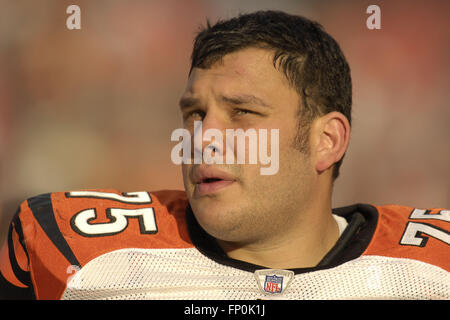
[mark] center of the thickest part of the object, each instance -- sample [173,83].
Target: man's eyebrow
[238,99]
[186,102]
[241,99]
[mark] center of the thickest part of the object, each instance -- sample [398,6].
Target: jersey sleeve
[15,280]
[413,233]
[54,235]
[35,258]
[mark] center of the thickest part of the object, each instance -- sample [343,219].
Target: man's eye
[194,114]
[241,112]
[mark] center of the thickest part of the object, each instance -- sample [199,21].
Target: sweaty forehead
[250,69]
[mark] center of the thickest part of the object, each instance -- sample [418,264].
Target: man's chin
[217,222]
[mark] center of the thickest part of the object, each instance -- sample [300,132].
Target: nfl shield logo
[273,284]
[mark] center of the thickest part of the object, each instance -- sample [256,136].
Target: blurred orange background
[94,108]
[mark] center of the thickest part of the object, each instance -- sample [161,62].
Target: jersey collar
[361,218]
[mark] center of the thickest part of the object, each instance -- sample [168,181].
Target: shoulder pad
[412,233]
[64,230]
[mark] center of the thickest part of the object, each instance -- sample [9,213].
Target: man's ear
[331,139]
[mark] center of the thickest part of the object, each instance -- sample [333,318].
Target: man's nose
[209,135]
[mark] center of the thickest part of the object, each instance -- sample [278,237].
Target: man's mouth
[209,180]
[211,185]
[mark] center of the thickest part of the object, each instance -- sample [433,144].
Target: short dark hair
[310,58]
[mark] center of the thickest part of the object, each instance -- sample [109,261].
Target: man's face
[235,202]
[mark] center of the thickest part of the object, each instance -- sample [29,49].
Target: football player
[235,233]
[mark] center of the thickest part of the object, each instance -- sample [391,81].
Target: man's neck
[301,245]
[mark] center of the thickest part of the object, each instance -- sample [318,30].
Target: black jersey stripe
[9,291]
[22,275]
[42,209]
[363,220]
[18,227]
